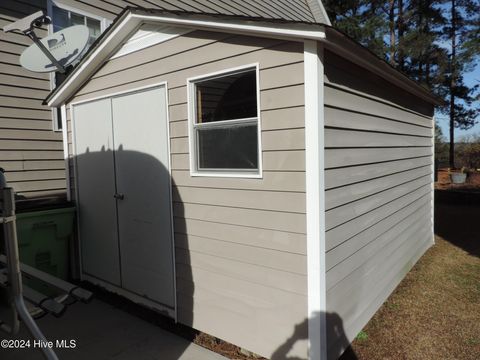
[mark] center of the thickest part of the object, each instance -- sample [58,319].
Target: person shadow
[341,345]
[112,326]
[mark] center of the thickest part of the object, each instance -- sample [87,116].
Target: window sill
[219,174]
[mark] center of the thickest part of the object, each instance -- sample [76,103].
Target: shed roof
[293,10]
[131,18]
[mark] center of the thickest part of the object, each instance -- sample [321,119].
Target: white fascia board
[95,60]
[132,21]
[300,31]
[315,198]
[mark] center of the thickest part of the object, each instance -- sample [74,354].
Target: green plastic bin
[44,239]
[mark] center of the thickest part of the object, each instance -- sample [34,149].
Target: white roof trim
[132,21]
[324,12]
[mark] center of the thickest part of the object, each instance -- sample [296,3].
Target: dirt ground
[435,311]
[472,183]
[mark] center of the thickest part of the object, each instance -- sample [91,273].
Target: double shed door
[124,193]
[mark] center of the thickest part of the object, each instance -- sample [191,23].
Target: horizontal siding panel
[263,259]
[408,228]
[272,161]
[38,185]
[12,48]
[24,82]
[31,155]
[290,222]
[181,44]
[344,176]
[35,175]
[229,47]
[340,234]
[337,254]
[347,194]
[242,235]
[30,145]
[290,139]
[33,165]
[57,193]
[391,283]
[274,279]
[339,98]
[27,124]
[283,54]
[25,113]
[262,200]
[339,138]
[16,102]
[102,9]
[335,158]
[236,310]
[380,275]
[179,145]
[282,97]
[17,70]
[285,118]
[271,181]
[342,214]
[341,118]
[22,134]
[23,92]
[281,76]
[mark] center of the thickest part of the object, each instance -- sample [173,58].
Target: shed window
[225,126]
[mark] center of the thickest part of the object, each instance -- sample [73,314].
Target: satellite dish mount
[27,26]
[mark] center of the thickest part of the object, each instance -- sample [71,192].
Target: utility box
[44,239]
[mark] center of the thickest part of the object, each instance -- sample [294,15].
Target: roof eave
[131,19]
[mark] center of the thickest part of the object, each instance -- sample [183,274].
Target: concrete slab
[102,331]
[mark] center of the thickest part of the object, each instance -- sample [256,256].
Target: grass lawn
[435,312]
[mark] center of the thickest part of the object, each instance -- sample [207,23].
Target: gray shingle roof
[292,10]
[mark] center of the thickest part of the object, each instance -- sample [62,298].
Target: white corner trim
[145,37]
[315,199]
[191,100]
[433,181]
[63,110]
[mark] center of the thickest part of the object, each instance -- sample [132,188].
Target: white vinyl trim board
[191,100]
[315,197]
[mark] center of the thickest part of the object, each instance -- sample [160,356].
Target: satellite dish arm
[27,25]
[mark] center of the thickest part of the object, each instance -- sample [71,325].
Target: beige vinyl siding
[30,152]
[240,243]
[378,155]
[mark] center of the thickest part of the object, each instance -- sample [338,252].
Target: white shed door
[140,193]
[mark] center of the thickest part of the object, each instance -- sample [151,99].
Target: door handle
[119,196]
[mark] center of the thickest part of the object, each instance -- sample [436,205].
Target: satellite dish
[65,45]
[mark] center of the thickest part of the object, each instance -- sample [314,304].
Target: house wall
[240,243]
[378,155]
[30,152]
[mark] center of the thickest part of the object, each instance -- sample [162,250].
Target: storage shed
[266,182]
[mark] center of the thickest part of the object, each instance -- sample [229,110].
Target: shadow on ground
[459,225]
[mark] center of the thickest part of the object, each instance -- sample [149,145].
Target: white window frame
[192,126]
[104,23]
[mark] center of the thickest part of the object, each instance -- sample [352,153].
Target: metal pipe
[14,273]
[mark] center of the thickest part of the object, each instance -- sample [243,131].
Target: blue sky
[471,79]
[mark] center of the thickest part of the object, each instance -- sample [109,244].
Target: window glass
[231,147]
[227,98]
[226,123]
[64,18]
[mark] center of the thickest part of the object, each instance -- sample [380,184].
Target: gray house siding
[30,152]
[240,243]
[378,155]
